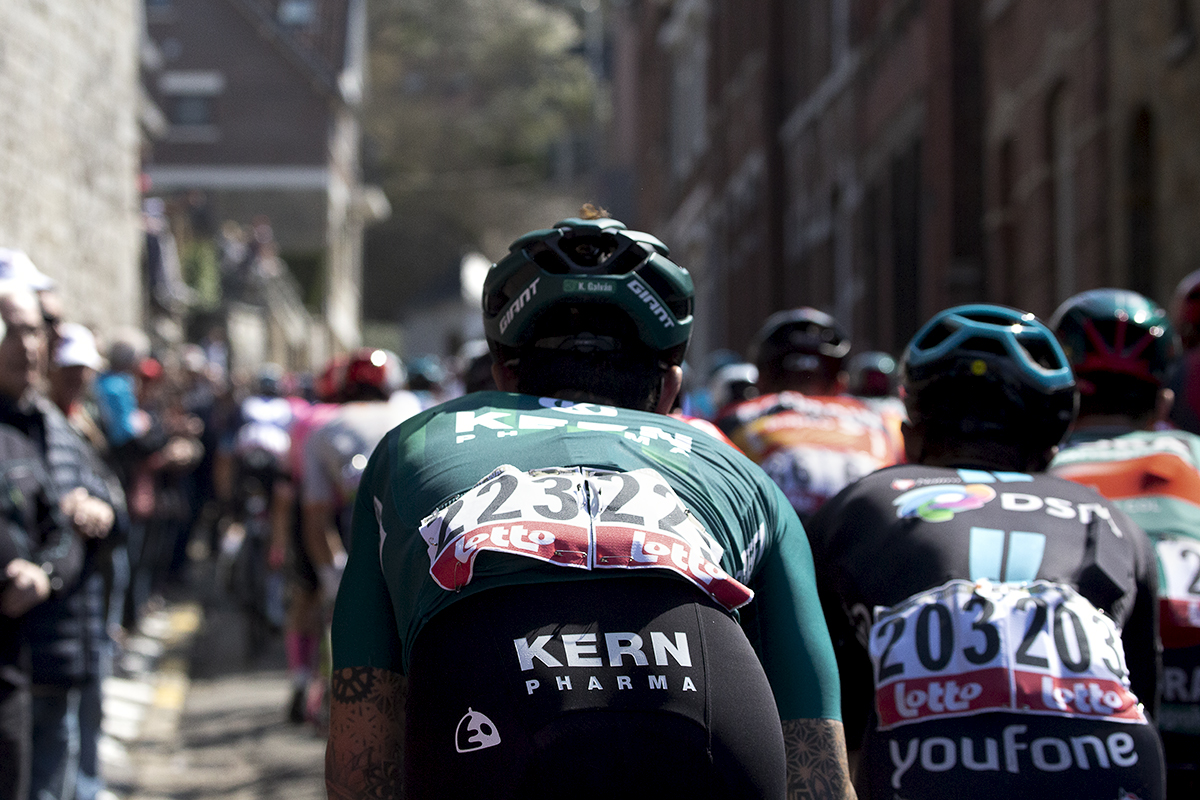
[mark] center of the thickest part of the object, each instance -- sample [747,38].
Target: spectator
[57,641]
[39,555]
[81,615]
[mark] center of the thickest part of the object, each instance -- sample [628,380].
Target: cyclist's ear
[1162,405]
[914,442]
[672,382]
[504,376]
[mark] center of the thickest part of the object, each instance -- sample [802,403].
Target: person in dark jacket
[39,556]
[75,647]
[59,630]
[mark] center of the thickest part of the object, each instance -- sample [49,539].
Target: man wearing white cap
[73,366]
[63,659]
[16,266]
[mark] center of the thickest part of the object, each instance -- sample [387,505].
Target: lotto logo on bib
[584,519]
[1036,648]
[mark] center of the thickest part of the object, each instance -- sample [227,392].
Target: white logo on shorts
[475,732]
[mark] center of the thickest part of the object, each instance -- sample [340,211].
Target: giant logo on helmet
[941,503]
[650,300]
[518,303]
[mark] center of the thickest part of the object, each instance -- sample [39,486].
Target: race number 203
[578,518]
[964,647]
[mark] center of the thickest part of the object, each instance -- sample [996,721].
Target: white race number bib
[963,648]
[579,518]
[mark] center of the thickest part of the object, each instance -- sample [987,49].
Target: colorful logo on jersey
[475,732]
[941,503]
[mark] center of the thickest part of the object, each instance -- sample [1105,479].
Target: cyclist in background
[1185,378]
[261,499]
[804,431]
[304,626]
[1001,622]
[555,572]
[336,453]
[874,379]
[1122,347]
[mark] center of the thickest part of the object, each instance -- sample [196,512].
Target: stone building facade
[69,150]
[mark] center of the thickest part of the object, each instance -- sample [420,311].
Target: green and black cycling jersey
[495,489]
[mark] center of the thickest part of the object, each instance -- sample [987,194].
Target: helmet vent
[978,344]
[547,259]
[936,335]
[681,307]
[1042,353]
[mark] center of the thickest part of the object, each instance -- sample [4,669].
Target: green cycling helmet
[1116,332]
[582,262]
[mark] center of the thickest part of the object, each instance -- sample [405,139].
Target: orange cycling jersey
[813,447]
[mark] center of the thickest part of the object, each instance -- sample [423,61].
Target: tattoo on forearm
[817,766]
[366,733]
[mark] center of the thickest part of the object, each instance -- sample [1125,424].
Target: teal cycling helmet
[1116,332]
[991,372]
[588,263]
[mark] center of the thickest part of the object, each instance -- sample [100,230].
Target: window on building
[191,110]
[1139,203]
[297,13]
[686,40]
[159,10]
[1183,31]
[867,314]
[190,100]
[1060,153]
[906,242]
[1007,234]
[839,31]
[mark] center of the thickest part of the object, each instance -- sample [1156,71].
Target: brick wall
[1046,150]
[1155,196]
[69,144]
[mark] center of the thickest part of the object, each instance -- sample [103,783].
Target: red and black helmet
[1115,332]
[373,368]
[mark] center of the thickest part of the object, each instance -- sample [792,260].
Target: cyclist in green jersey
[1122,347]
[558,589]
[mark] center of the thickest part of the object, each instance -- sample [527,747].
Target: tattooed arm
[366,734]
[816,760]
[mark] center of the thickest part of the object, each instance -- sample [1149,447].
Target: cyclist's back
[1123,349]
[804,431]
[555,578]
[646,471]
[1005,618]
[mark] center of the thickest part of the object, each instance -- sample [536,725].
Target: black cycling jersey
[992,625]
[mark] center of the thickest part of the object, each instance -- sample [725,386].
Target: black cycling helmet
[990,372]
[595,264]
[269,380]
[1115,332]
[872,374]
[799,341]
